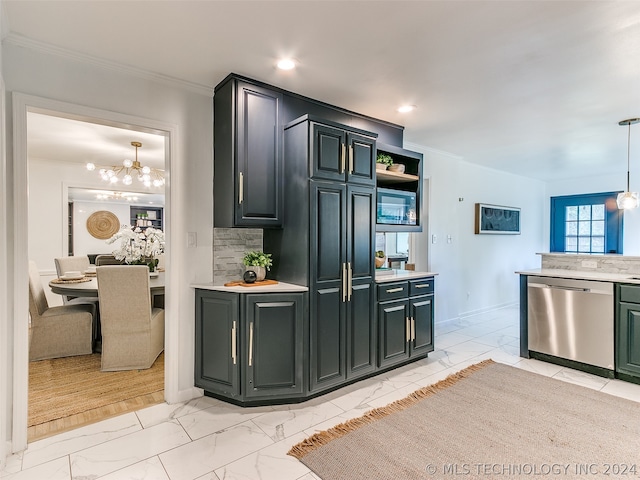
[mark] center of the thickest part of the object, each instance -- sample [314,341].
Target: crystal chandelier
[130,170]
[628,199]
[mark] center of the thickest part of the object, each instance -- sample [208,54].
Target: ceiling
[531,87]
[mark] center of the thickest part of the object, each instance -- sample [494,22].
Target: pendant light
[628,199]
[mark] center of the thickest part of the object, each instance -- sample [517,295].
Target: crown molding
[25,42]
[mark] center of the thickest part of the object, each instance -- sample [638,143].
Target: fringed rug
[62,387]
[487,421]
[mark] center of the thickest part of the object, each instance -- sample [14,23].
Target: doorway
[23,105]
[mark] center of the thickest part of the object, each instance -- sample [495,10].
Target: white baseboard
[479,311]
[186,395]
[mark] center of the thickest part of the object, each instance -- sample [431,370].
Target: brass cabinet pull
[408,330]
[413,329]
[240,188]
[343,158]
[250,343]
[350,280]
[344,282]
[350,158]
[394,290]
[424,285]
[233,343]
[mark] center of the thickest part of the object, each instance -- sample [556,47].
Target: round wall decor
[103,224]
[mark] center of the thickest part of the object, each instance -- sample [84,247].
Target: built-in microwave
[396,207]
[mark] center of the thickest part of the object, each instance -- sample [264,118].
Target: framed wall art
[495,219]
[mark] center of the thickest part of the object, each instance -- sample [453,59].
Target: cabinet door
[361,159]
[628,339]
[258,157]
[217,353]
[421,316]
[328,153]
[393,321]
[361,331]
[273,334]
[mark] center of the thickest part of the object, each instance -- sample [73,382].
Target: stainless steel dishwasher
[571,319]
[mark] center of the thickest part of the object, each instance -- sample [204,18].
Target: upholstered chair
[107,259]
[79,263]
[61,331]
[132,331]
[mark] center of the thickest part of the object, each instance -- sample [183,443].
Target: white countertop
[584,275]
[399,275]
[280,287]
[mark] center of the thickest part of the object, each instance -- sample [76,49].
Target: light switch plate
[192,240]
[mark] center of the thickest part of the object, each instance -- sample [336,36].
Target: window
[589,224]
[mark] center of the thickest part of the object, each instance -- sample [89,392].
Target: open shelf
[394,177]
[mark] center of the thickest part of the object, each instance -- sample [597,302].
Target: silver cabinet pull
[350,158]
[350,280]
[413,329]
[395,290]
[250,343]
[343,159]
[240,188]
[408,330]
[424,285]
[344,282]
[233,343]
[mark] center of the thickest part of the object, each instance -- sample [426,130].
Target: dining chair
[132,330]
[79,263]
[107,259]
[61,331]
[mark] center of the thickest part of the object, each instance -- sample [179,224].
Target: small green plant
[380,254]
[384,159]
[257,259]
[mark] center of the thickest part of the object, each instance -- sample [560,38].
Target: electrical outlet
[590,264]
[192,240]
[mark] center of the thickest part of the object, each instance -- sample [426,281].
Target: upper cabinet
[341,155]
[399,191]
[247,178]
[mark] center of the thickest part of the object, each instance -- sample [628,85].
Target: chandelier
[125,196]
[130,170]
[628,199]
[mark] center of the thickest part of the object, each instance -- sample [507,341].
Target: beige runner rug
[487,421]
[61,387]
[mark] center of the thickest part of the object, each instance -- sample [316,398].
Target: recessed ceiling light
[406,108]
[286,64]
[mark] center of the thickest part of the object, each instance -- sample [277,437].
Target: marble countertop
[280,287]
[584,275]
[399,275]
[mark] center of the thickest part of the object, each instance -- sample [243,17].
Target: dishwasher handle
[597,290]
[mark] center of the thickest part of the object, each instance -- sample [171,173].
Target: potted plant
[383,161]
[259,262]
[380,258]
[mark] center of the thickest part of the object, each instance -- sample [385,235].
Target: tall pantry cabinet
[328,243]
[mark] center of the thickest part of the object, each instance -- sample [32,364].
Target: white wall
[475,272]
[608,183]
[83,83]
[5,269]
[83,242]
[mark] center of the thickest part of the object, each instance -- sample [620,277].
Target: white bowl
[72,275]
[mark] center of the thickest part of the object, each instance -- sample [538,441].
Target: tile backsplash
[602,263]
[229,246]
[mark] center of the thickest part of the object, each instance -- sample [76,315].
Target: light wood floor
[60,425]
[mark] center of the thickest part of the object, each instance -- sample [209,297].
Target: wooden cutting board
[240,283]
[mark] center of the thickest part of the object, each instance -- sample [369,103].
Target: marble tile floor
[206,439]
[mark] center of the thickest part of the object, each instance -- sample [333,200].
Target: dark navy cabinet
[250,347]
[627,346]
[405,320]
[247,174]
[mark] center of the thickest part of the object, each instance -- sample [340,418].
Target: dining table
[88,287]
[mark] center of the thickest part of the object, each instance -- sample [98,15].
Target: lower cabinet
[250,347]
[627,346]
[405,320]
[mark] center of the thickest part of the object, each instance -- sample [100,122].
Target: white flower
[136,245]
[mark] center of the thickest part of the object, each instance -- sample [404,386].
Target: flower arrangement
[258,259]
[137,246]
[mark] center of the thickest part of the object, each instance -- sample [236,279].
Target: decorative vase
[381,166]
[380,261]
[261,272]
